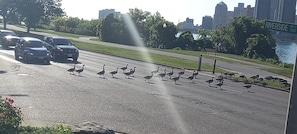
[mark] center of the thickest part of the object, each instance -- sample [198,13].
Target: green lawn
[147,57]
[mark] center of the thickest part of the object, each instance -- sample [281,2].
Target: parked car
[61,48]
[8,38]
[32,49]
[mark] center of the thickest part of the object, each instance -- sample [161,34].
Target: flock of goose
[162,75]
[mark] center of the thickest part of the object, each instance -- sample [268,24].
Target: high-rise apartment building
[286,11]
[207,22]
[250,11]
[103,13]
[263,9]
[277,10]
[240,10]
[220,16]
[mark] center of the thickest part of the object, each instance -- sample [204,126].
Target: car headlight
[48,53]
[60,49]
[76,50]
[31,53]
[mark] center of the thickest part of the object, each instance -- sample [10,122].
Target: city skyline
[174,12]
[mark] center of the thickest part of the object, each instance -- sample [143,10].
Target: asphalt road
[49,94]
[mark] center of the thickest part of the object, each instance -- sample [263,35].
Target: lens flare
[141,47]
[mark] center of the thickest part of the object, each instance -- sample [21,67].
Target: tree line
[242,36]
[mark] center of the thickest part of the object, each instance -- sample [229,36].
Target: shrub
[10,116]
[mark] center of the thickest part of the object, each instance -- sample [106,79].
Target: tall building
[187,25]
[220,16]
[207,22]
[250,11]
[240,10]
[286,10]
[230,16]
[103,13]
[266,9]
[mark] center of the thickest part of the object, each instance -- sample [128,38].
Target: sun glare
[163,89]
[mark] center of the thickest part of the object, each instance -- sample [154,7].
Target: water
[286,51]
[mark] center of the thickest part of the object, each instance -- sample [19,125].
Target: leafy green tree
[52,9]
[108,31]
[86,27]
[204,40]
[33,11]
[185,41]
[260,46]
[59,24]
[7,8]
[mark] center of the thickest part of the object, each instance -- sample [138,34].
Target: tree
[108,28]
[204,39]
[260,46]
[33,11]
[52,10]
[7,7]
[185,41]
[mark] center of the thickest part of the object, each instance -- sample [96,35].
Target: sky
[171,10]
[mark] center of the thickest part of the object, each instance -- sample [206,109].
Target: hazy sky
[172,10]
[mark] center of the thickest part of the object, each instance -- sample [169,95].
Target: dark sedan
[32,49]
[8,38]
[61,48]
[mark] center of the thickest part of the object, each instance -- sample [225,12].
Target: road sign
[281,26]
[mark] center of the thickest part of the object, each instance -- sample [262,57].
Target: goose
[248,86]
[176,78]
[101,73]
[162,75]
[209,81]
[71,70]
[255,77]
[147,78]
[220,78]
[156,71]
[220,84]
[127,74]
[182,72]
[195,73]
[191,78]
[114,72]
[80,70]
[132,72]
[170,73]
[242,77]
[124,68]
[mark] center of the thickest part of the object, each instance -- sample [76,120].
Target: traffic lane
[62,67]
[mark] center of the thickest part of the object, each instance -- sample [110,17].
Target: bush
[10,116]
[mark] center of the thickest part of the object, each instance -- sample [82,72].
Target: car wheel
[75,59]
[4,46]
[54,57]
[47,62]
[25,57]
[16,55]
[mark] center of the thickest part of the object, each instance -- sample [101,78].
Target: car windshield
[33,44]
[8,33]
[62,42]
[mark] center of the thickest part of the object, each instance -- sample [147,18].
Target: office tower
[250,11]
[220,16]
[265,9]
[207,22]
[103,13]
[286,11]
[240,10]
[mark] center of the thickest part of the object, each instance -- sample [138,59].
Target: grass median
[154,58]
